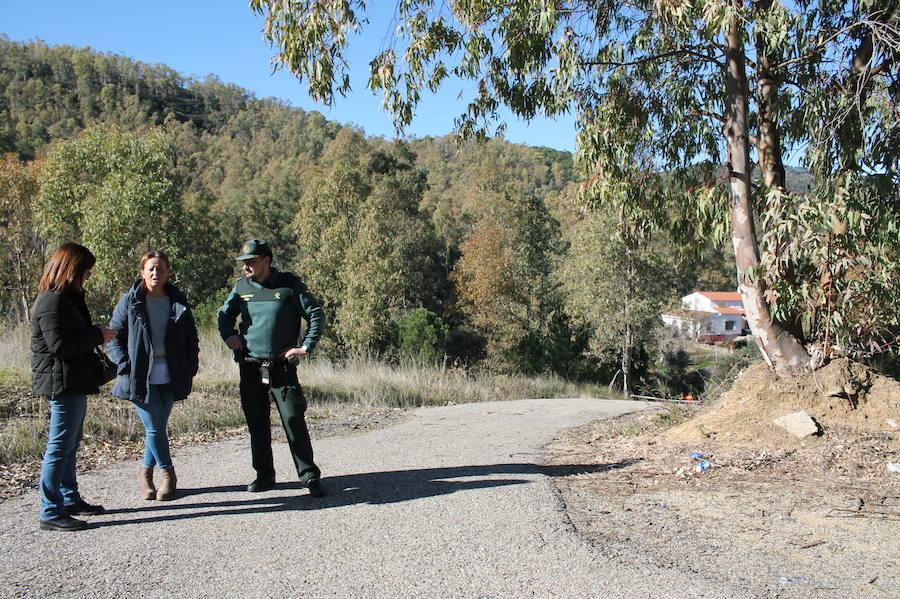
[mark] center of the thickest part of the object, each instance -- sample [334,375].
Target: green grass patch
[672,416]
[634,428]
[22,439]
[14,377]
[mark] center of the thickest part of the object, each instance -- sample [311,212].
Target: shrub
[466,346]
[205,312]
[424,334]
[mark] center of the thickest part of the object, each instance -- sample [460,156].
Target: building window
[729,325]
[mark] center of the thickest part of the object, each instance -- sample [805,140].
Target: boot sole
[63,529]
[260,488]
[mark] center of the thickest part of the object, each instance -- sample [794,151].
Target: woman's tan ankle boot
[167,488]
[145,480]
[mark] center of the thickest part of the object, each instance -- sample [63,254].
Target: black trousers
[256,397]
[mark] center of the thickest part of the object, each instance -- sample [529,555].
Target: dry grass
[367,383]
[15,353]
[216,360]
[353,387]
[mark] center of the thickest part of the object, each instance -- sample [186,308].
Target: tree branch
[712,115]
[873,25]
[663,56]
[882,67]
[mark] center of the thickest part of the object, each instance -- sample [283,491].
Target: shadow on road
[371,487]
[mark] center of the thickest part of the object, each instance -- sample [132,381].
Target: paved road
[452,503]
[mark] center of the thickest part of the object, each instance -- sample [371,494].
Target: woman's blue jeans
[154,415]
[58,485]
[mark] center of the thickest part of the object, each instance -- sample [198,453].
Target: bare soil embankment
[818,517]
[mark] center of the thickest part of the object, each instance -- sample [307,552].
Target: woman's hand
[108,334]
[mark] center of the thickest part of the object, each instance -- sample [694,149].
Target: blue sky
[223,37]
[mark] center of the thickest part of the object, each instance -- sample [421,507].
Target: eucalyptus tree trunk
[23,283]
[782,351]
[26,308]
[628,337]
[768,143]
[626,359]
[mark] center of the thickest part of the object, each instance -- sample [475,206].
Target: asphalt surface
[452,503]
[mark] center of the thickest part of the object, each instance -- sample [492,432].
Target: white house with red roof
[710,316]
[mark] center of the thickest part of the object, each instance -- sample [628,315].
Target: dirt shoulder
[780,516]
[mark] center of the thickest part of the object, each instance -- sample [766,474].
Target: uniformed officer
[267,346]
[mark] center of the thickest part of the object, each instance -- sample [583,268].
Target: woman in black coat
[65,371]
[157,351]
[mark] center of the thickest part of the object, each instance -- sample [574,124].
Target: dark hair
[66,267]
[159,255]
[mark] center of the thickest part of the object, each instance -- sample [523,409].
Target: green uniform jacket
[270,315]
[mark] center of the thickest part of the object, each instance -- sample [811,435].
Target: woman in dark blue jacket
[65,371]
[157,351]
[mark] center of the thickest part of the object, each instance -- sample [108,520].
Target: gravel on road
[453,502]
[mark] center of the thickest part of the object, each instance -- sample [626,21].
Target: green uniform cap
[254,248]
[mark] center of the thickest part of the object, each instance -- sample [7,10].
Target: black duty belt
[265,364]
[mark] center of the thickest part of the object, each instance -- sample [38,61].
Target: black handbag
[106,368]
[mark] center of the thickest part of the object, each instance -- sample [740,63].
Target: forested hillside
[420,246]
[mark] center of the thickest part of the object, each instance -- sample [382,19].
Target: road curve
[452,503]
